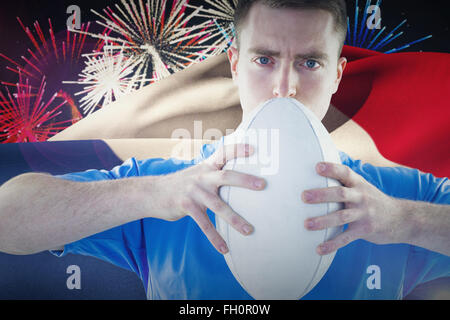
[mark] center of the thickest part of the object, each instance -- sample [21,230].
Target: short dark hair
[337,8]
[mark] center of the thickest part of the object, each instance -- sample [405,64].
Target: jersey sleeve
[423,266]
[123,246]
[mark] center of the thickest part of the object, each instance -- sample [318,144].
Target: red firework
[26,117]
[48,51]
[54,58]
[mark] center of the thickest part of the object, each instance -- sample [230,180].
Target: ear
[233,58]
[342,63]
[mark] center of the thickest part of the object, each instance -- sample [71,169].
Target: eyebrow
[318,55]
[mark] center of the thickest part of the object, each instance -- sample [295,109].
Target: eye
[263,60]
[311,64]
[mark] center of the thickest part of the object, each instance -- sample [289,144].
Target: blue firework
[359,35]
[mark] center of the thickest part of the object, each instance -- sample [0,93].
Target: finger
[331,194]
[229,152]
[236,179]
[339,172]
[201,218]
[334,219]
[220,208]
[338,242]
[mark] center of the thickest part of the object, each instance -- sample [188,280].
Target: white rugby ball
[279,260]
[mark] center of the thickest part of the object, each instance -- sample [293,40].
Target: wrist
[149,198]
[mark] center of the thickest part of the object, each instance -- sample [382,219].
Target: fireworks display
[160,40]
[142,41]
[371,38]
[54,57]
[222,13]
[48,51]
[26,117]
[108,75]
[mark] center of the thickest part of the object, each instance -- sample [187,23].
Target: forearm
[429,225]
[40,212]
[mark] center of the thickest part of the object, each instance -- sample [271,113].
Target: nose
[285,84]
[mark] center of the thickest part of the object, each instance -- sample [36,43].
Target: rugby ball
[279,260]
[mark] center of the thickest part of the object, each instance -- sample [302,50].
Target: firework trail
[26,117]
[160,40]
[221,12]
[48,52]
[369,38]
[108,75]
[55,58]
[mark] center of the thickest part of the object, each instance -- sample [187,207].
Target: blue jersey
[175,260]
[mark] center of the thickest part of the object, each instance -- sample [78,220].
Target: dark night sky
[424,18]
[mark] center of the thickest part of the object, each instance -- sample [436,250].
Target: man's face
[287,53]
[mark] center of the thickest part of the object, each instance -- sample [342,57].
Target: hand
[191,191]
[370,214]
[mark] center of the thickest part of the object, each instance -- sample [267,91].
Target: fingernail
[223,249]
[323,249]
[310,224]
[247,229]
[321,167]
[308,196]
[259,183]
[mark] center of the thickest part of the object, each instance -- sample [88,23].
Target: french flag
[402,101]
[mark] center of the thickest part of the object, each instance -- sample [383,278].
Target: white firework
[108,75]
[160,39]
[221,12]
[220,9]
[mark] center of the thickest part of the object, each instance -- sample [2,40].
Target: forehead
[289,30]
